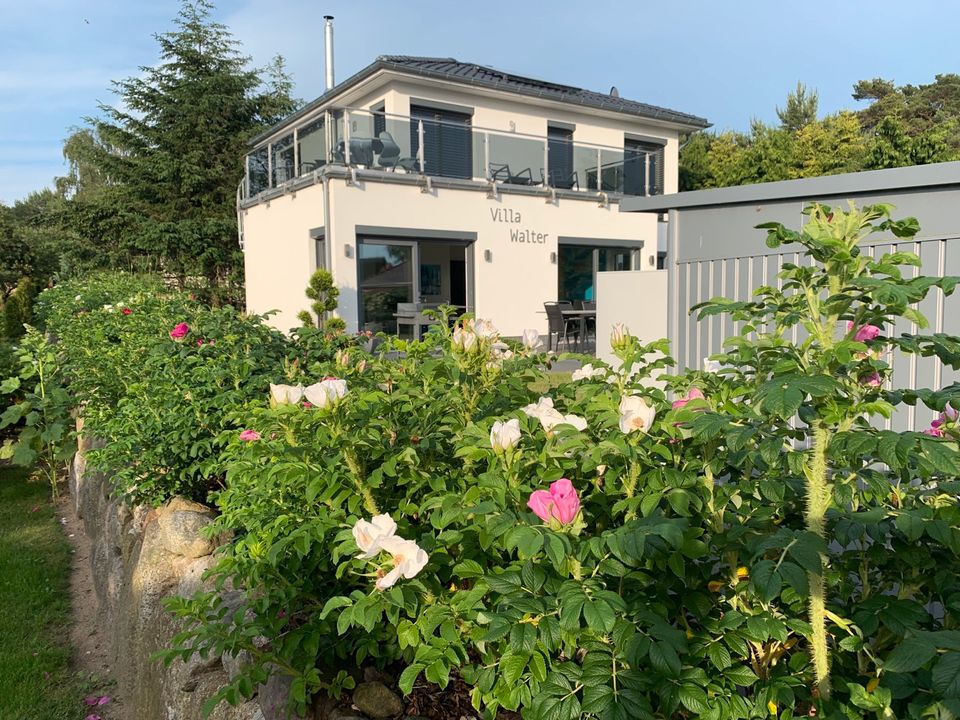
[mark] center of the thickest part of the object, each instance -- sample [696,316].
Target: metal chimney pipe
[328,49]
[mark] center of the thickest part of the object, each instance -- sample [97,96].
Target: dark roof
[482,76]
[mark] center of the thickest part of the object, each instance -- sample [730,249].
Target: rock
[343,714]
[235,664]
[196,667]
[192,582]
[377,700]
[273,695]
[181,523]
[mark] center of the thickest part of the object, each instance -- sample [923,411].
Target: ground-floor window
[578,265]
[400,278]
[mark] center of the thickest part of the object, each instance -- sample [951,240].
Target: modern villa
[420,181]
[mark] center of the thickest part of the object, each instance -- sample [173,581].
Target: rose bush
[756,547]
[741,543]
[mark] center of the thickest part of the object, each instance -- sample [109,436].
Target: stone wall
[139,557]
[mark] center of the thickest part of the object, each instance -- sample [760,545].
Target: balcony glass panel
[516,160]
[283,168]
[585,159]
[258,179]
[378,141]
[313,146]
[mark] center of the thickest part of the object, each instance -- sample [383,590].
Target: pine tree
[801,109]
[174,149]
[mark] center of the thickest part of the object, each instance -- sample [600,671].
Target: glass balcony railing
[395,143]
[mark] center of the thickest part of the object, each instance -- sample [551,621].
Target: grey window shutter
[447,141]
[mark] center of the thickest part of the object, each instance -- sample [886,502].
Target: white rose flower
[505,435]
[531,340]
[588,371]
[326,392]
[711,366]
[408,560]
[635,414]
[286,394]
[551,419]
[536,410]
[369,535]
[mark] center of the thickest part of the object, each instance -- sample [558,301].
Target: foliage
[42,410]
[17,310]
[324,294]
[759,527]
[157,174]
[800,109]
[149,395]
[902,126]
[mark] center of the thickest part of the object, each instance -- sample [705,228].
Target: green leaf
[741,675]
[512,666]
[719,655]
[408,677]
[599,616]
[910,655]
[693,698]
[664,658]
[946,676]
[766,580]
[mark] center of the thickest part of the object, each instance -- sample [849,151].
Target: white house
[421,181]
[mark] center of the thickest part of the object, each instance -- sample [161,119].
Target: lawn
[36,679]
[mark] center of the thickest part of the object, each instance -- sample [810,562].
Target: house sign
[517,234]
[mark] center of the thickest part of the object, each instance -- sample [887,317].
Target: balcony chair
[389,151]
[560,179]
[500,172]
[559,325]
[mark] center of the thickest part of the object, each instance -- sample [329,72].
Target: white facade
[390,234]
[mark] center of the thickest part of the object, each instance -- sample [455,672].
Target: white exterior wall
[636,299]
[279,254]
[510,289]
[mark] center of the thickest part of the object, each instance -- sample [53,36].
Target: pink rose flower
[692,394]
[127,311]
[249,435]
[865,333]
[307,404]
[933,432]
[871,380]
[179,331]
[949,413]
[560,503]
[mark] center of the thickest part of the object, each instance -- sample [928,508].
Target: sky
[728,61]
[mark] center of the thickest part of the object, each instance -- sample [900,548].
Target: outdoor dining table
[582,316]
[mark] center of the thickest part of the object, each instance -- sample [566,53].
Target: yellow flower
[715,585]
[872,685]
[772,707]
[742,572]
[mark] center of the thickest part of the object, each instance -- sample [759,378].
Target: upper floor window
[642,167]
[447,141]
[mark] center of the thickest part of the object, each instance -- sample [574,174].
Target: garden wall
[139,557]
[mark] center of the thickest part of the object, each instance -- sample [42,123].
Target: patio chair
[389,151]
[559,179]
[590,323]
[501,172]
[559,325]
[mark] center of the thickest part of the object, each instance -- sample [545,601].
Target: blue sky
[726,61]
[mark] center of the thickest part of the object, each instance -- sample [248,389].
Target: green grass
[36,680]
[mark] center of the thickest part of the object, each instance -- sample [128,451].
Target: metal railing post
[546,163]
[599,168]
[646,175]
[246,175]
[486,156]
[420,147]
[296,152]
[270,165]
[346,138]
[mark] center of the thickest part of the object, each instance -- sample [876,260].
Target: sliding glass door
[387,278]
[578,265]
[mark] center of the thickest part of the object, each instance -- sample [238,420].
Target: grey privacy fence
[714,249]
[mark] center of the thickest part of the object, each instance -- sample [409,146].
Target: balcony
[390,143]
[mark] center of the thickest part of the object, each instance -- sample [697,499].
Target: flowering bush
[755,547]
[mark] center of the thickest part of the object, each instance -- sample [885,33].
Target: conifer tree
[173,149]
